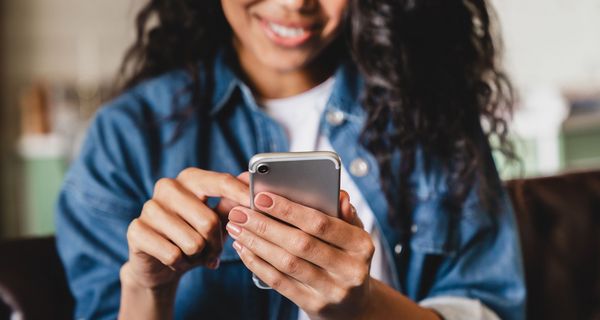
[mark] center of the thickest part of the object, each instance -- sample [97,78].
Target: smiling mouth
[287,35]
[286,32]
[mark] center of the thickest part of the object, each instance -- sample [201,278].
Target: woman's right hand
[177,230]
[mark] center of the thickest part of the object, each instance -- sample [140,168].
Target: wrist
[383,302]
[145,302]
[130,282]
[366,308]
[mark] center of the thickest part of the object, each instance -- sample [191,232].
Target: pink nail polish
[214,264]
[238,216]
[237,246]
[233,230]
[264,201]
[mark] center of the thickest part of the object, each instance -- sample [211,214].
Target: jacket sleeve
[101,194]
[473,254]
[487,264]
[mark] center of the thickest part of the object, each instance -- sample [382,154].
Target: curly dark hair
[431,71]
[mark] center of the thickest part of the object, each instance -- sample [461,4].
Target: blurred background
[58,59]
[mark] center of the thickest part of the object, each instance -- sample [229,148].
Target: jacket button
[359,167]
[335,117]
[414,228]
[398,249]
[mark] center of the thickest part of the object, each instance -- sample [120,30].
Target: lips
[287,35]
[286,32]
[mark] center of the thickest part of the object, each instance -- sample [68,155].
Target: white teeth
[286,32]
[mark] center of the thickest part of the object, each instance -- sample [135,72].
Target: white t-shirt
[299,116]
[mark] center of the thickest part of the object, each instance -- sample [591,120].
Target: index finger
[316,223]
[204,184]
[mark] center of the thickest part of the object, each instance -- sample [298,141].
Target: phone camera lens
[263,168]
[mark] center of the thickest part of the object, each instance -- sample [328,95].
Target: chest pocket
[433,229]
[437,231]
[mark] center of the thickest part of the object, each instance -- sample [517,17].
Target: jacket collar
[345,96]
[224,78]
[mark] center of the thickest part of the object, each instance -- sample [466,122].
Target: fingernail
[344,195]
[238,216]
[262,200]
[234,230]
[214,264]
[237,246]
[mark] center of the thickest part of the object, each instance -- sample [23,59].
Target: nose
[300,5]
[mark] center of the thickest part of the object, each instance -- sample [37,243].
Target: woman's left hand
[319,262]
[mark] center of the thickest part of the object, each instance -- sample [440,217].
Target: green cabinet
[581,142]
[43,178]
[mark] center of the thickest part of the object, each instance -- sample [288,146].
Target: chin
[286,60]
[285,63]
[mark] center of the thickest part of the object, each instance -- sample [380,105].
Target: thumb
[225,205]
[348,212]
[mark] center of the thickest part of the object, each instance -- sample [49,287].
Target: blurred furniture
[559,221]
[32,281]
[581,140]
[42,149]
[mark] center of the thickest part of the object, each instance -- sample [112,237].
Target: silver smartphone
[308,178]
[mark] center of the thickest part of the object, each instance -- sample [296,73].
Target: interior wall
[58,41]
[552,43]
[549,43]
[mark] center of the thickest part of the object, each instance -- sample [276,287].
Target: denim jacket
[130,145]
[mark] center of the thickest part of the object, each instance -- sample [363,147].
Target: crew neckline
[318,90]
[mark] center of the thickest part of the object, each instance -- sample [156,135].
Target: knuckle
[151,210]
[249,258]
[132,229]
[171,257]
[187,173]
[303,244]
[368,249]
[319,226]
[163,185]
[208,223]
[188,249]
[149,207]
[195,245]
[283,208]
[290,264]
[339,295]
[261,227]
[250,241]
[225,180]
[228,178]
[358,277]
[320,307]
[212,221]
[276,281]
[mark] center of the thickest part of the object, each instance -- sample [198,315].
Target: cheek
[237,15]
[334,10]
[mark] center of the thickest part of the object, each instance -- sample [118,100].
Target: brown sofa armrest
[32,280]
[559,225]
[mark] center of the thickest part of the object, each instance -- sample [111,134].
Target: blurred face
[283,35]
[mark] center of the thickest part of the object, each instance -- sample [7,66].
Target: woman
[154,219]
